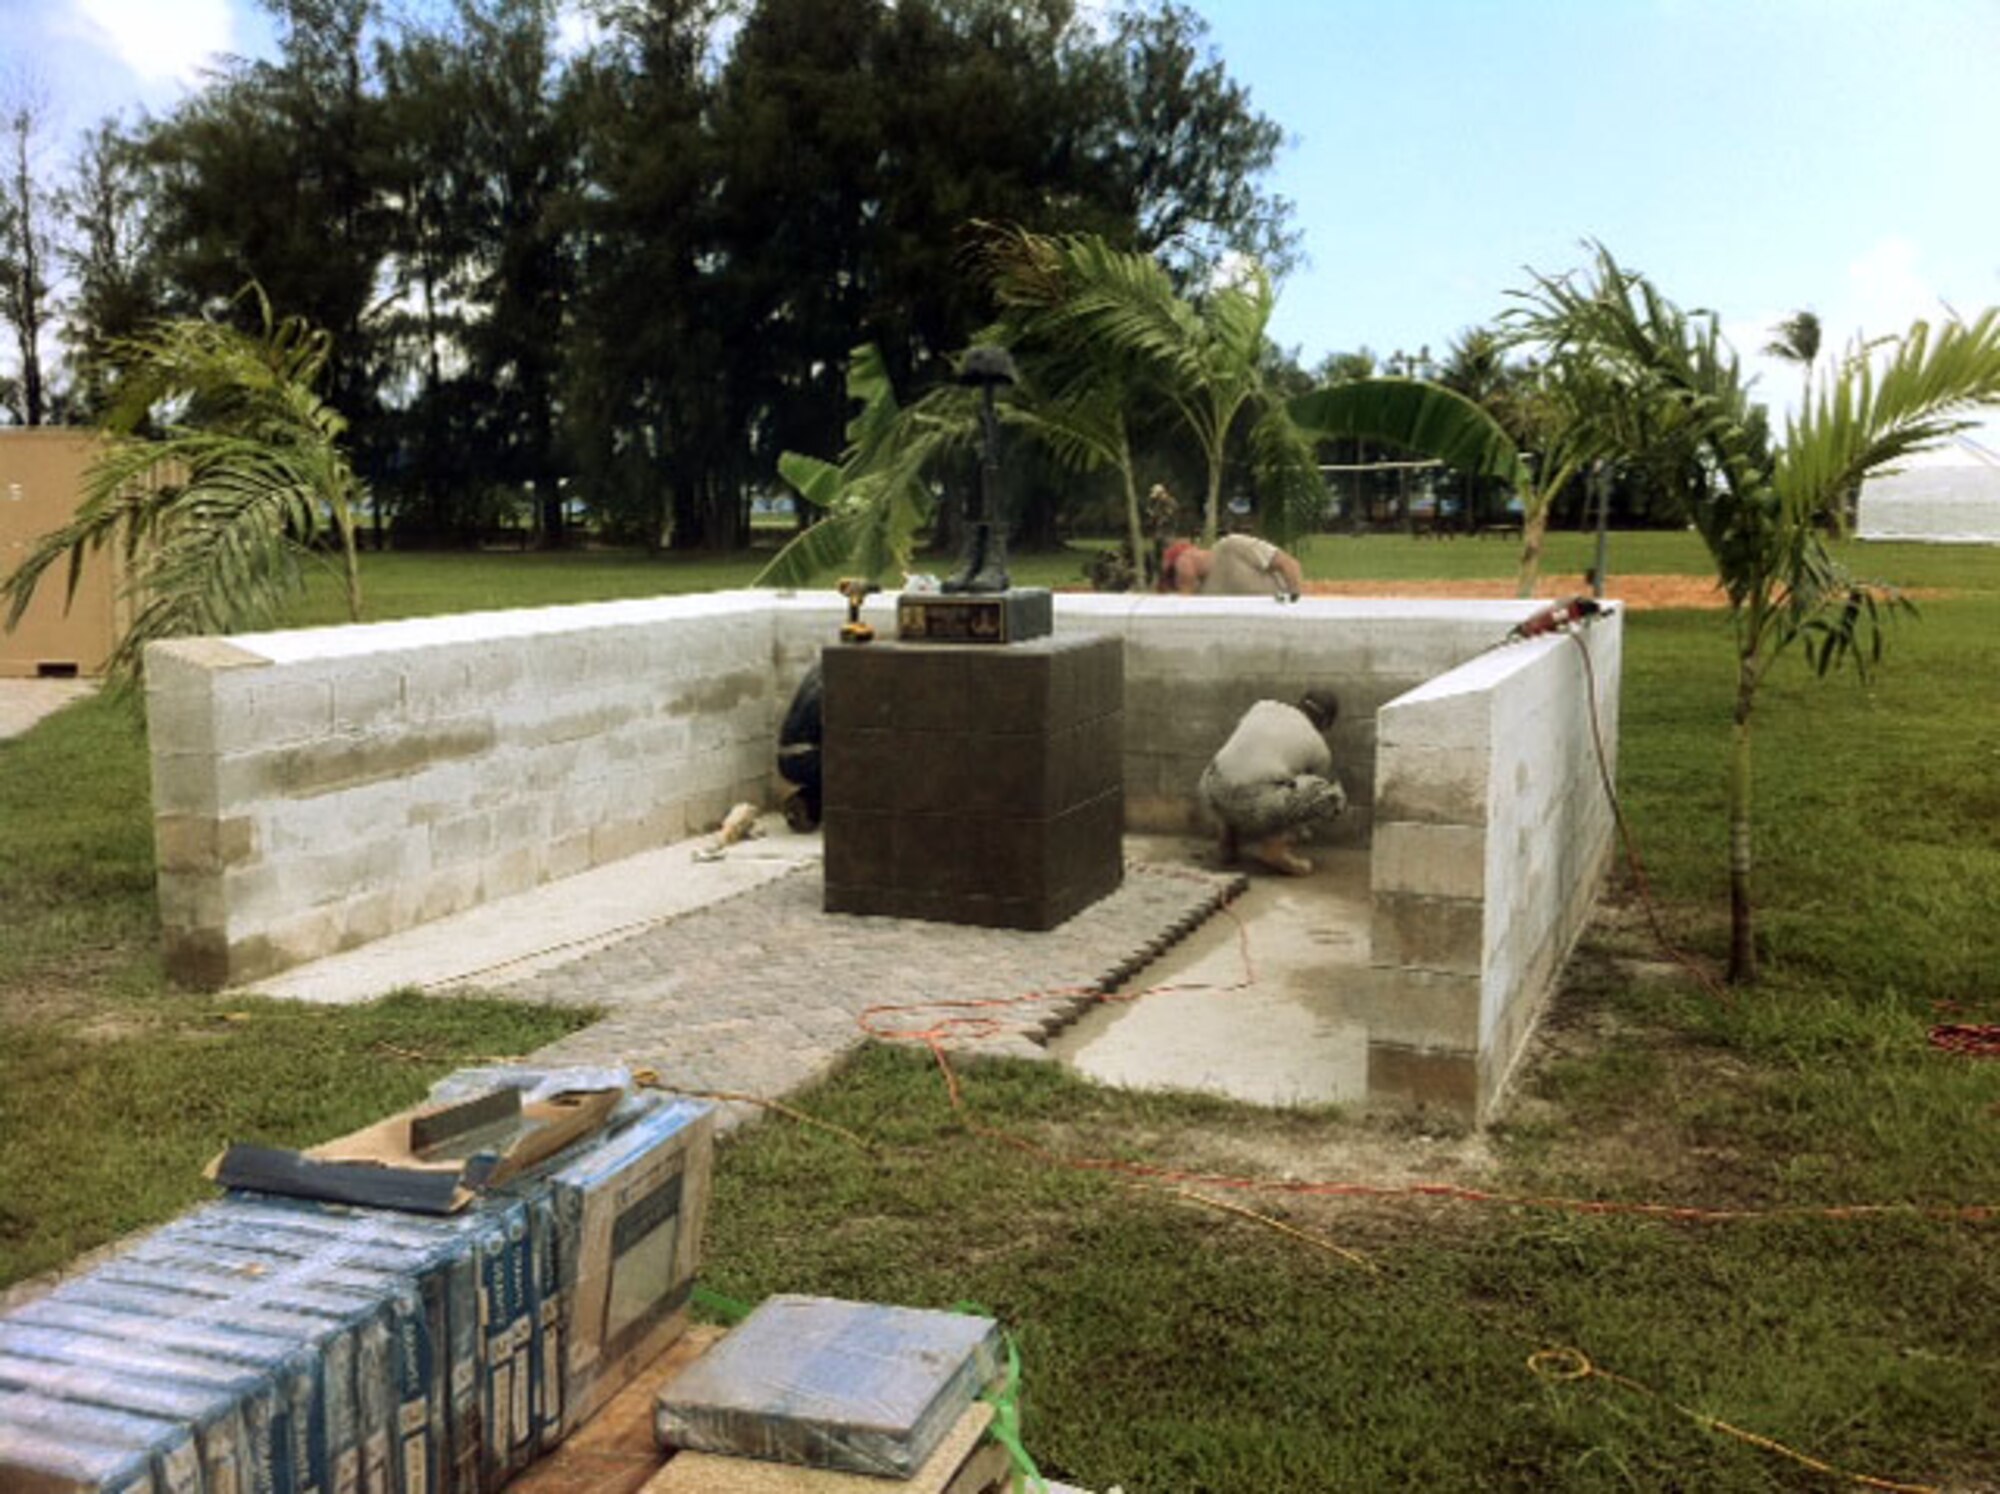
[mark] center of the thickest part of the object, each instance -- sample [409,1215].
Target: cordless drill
[856,589]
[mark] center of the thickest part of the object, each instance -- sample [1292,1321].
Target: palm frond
[221,471]
[1418,416]
[1866,419]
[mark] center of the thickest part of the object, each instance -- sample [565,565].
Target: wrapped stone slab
[823,1383]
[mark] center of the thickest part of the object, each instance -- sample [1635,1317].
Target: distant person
[1272,784]
[1240,565]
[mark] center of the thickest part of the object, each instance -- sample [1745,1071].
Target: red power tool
[1556,617]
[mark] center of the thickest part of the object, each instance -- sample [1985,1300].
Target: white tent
[1947,496]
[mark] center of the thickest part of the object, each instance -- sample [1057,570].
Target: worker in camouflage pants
[1272,784]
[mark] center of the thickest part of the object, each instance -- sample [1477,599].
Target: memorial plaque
[1013,616]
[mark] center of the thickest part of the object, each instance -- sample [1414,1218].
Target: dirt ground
[1637,592]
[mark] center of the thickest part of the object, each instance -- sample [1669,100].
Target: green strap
[727,1308]
[1006,1401]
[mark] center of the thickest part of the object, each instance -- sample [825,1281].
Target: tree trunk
[1534,529]
[1135,530]
[1742,932]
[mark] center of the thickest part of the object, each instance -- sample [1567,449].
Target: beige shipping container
[41,485]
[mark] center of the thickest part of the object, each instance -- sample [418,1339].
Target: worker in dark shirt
[799,740]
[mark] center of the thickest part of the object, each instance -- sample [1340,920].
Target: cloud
[1886,291]
[159,43]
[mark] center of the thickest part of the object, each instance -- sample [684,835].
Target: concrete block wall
[1492,832]
[316,790]
[1193,665]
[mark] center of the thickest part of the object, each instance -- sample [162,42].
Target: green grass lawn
[1169,1345]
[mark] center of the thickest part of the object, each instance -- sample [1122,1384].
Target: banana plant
[877,498]
[1442,424]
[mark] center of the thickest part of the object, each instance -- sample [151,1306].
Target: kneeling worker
[799,742]
[1240,565]
[1272,783]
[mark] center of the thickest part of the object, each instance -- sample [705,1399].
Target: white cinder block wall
[1193,665]
[1493,829]
[315,790]
[318,789]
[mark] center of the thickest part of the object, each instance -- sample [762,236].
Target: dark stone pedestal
[974,784]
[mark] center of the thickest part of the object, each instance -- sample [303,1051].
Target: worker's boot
[801,811]
[1278,854]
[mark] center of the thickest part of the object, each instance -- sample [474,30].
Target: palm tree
[1202,358]
[221,475]
[1796,340]
[1676,401]
[1083,396]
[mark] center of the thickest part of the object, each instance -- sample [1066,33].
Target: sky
[1752,157]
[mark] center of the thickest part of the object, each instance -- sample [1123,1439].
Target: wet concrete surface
[1247,1005]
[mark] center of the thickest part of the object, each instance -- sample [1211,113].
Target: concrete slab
[25,702]
[508,940]
[1247,1006]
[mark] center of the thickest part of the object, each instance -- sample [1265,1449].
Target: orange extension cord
[978,1019]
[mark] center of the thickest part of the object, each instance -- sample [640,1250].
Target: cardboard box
[38,1460]
[124,1444]
[413,1281]
[320,1396]
[251,1389]
[627,1219]
[42,473]
[356,1411]
[442,1255]
[214,1417]
[853,1386]
[294,1357]
[430,1159]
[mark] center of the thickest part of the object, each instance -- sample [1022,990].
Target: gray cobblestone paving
[761,993]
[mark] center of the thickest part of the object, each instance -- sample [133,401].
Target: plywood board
[614,1452]
[964,1463]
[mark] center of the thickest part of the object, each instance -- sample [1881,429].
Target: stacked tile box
[260,1345]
